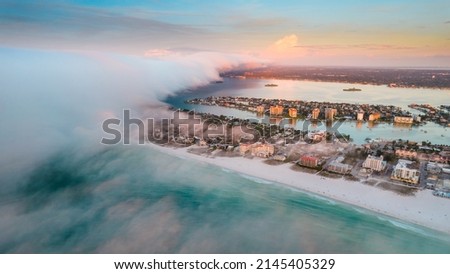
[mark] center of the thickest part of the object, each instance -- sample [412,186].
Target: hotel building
[374,163]
[329,113]
[360,115]
[406,154]
[257,149]
[404,172]
[374,116]
[293,112]
[337,166]
[276,110]
[308,161]
[260,109]
[403,120]
[315,114]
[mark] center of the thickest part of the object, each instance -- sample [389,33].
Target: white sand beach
[422,209]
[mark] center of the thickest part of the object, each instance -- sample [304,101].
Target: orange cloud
[284,48]
[157,52]
[287,42]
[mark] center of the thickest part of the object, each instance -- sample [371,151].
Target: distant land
[392,77]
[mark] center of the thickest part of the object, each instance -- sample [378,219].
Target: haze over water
[138,200]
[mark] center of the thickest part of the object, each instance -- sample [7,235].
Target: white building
[403,120]
[405,173]
[360,115]
[374,163]
[337,166]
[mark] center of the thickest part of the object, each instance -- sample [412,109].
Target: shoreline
[363,83]
[421,209]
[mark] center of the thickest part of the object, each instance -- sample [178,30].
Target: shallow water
[329,92]
[136,200]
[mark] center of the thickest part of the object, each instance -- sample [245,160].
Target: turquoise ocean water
[132,199]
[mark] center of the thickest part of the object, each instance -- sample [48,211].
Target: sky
[302,32]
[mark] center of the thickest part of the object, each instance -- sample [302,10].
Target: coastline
[422,209]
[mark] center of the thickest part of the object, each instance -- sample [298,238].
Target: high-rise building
[315,114]
[293,112]
[374,116]
[374,163]
[360,115]
[260,109]
[329,113]
[404,172]
[308,161]
[276,110]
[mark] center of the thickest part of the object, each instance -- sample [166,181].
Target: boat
[351,89]
[271,85]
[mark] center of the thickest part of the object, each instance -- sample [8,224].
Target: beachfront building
[374,163]
[316,136]
[374,116]
[262,150]
[308,161]
[243,148]
[279,157]
[405,172]
[403,120]
[293,112]
[406,154]
[315,114]
[330,113]
[337,166]
[260,109]
[360,115]
[276,110]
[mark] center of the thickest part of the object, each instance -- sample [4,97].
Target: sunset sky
[347,32]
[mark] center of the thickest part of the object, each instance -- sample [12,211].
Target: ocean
[134,199]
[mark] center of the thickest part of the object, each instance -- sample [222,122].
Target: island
[351,89]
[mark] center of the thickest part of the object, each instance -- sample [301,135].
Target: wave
[255,179]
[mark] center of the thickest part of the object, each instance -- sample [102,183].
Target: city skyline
[347,33]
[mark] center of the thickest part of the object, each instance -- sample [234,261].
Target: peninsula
[398,178]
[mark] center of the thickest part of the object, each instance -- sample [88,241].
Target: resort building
[308,161]
[374,116]
[293,112]
[316,136]
[260,109]
[404,172]
[403,120]
[337,166]
[276,110]
[374,163]
[406,154]
[243,148]
[315,114]
[329,113]
[279,157]
[360,115]
[262,150]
